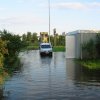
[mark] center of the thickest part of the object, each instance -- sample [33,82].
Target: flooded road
[53,78]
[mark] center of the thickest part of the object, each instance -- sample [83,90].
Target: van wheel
[41,54]
[50,54]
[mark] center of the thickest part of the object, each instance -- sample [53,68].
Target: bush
[89,50]
[98,45]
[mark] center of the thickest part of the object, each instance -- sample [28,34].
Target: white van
[46,49]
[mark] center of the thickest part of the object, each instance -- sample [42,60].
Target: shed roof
[83,31]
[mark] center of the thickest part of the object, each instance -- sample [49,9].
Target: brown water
[55,78]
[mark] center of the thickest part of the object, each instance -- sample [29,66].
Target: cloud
[76,5]
[23,1]
[22,20]
[70,5]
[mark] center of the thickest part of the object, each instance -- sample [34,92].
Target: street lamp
[49,18]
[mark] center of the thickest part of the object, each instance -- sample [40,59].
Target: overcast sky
[20,16]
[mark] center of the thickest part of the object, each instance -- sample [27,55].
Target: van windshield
[45,46]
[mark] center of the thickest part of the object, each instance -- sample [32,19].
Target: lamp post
[49,19]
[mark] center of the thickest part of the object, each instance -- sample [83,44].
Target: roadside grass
[90,64]
[32,47]
[55,48]
[59,49]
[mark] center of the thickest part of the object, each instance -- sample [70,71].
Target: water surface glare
[51,78]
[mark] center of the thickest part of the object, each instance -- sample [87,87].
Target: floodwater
[51,78]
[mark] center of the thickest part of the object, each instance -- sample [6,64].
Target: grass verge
[59,48]
[32,47]
[90,64]
[55,48]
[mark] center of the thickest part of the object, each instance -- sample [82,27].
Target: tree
[52,40]
[98,45]
[3,51]
[35,39]
[62,40]
[29,36]
[14,43]
[24,37]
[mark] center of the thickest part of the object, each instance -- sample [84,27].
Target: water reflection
[3,76]
[80,74]
[45,60]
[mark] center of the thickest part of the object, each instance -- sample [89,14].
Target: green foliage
[91,64]
[24,37]
[98,45]
[62,40]
[3,47]
[12,64]
[1,60]
[29,36]
[52,40]
[59,40]
[34,37]
[10,46]
[91,53]
[89,50]
[59,48]
[3,51]
[30,40]
[14,43]
[32,47]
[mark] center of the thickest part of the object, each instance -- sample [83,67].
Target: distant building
[44,37]
[63,33]
[74,41]
[54,31]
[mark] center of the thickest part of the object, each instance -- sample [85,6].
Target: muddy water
[51,78]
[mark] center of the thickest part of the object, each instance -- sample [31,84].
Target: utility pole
[54,36]
[49,19]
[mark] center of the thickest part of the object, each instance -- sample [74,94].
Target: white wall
[70,46]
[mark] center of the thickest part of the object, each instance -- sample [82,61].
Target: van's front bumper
[46,53]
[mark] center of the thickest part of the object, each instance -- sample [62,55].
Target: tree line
[32,38]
